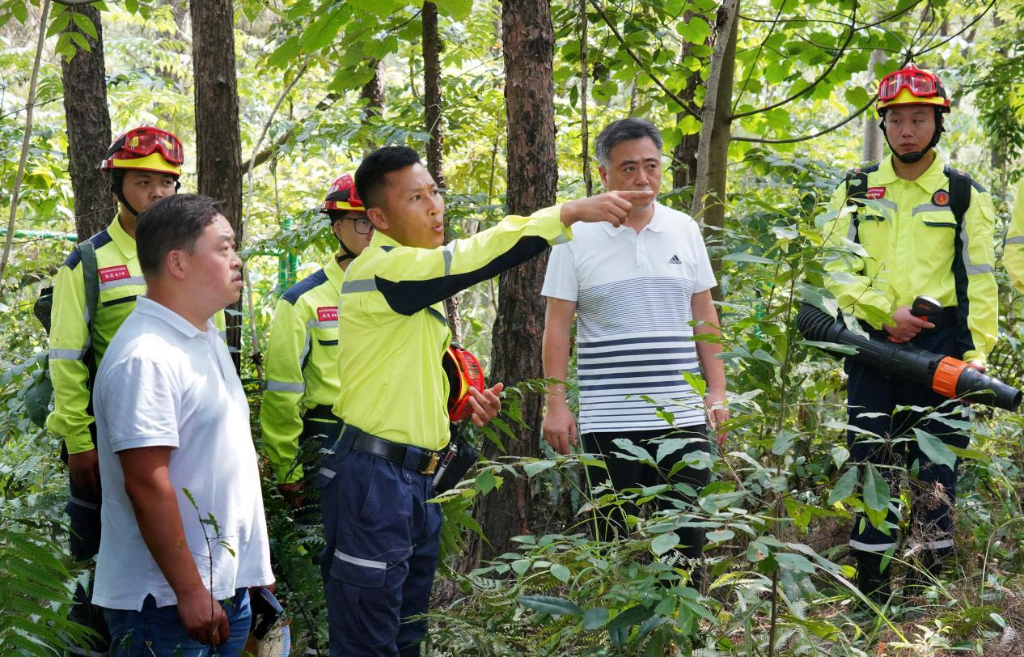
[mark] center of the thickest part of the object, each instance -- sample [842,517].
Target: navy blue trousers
[380,554]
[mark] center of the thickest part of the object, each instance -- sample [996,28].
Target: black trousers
[872,398]
[624,473]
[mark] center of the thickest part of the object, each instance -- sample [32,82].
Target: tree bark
[433,114]
[684,156]
[84,77]
[532,182]
[873,138]
[373,92]
[713,152]
[218,142]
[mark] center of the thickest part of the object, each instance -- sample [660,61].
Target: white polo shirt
[163,382]
[633,336]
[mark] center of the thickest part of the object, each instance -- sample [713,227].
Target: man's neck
[127,221]
[180,304]
[638,218]
[915,170]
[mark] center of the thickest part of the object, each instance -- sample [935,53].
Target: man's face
[634,165]
[214,269]
[144,188]
[412,212]
[355,230]
[910,127]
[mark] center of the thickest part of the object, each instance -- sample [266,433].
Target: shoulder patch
[305,285]
[101,238]
[940,198]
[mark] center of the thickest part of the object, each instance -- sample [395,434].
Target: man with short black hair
[381,533]
[640,291]
[184,531]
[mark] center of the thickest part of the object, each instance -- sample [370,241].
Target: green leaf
[783,442]
[720,535]
[844,487]
[857,95]
[84,24]
[534,468]
[664,542]
[521,566]
[696,30]
[457,9]
[561,573]
[876,490]
[935,449]
[131,6]
[595,619]
[58,24]
[547,604]
[697,382]
[20,11]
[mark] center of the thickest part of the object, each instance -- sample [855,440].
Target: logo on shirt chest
[940,198]
[674,260]
[116,273]
[875,193]
[327,313]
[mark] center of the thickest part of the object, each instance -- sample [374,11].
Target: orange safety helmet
[342,196]
[463,370]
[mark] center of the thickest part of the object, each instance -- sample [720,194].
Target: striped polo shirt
[634,339]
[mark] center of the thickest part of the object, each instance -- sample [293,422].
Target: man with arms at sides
[637,290]
[184,531]
[302,356]
[381,534]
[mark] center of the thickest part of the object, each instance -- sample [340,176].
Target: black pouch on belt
[457,459]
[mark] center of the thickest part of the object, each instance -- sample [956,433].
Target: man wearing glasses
[302,358]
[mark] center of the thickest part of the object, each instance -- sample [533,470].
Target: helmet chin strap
[911,158]
[347,252]
[118,185]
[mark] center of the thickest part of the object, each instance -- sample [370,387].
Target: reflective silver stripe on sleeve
[365,563]
[306,345]
[327,472]
[865,547]
[1015,240]
[851,235]
[970,267]
[281,386]
[68,354]
[365,285]
[939,545]
[931,207]
[333,324]
[133,280]
[885,203]
[80,502]
[449,250]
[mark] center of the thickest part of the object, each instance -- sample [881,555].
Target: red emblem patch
[875,193]
[941,198]
[327,313]
[116,273]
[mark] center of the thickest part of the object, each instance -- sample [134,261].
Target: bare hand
[718,414]
[202,617]
[907,326]
[292,494]
[486,404]
[84,469]
[612,207]
[976,364]
[560,428]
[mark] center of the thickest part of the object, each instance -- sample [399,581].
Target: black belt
[409,457]
[944,318]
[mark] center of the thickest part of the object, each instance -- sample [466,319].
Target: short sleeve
[561,281]
[705,274]
[142,401]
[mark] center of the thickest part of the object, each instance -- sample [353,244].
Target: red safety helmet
[146,148]
[463,370]
[342,196]
[912,86]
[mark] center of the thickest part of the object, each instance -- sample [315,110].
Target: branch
[689,109]
[793,140]
[760,49]
[283,139]
[953,36]
[828,69]
[76,3]
[26,141]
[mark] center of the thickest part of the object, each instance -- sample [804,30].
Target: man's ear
[336,228]
[175,264]
[604,175]
[377,218]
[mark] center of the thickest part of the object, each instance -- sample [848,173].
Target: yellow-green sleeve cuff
[551,227]
[976,355]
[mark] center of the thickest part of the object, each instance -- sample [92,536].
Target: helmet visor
[147,140]
[919,83]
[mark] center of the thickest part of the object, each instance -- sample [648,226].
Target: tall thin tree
[218,142]
[528,42]
[88,125]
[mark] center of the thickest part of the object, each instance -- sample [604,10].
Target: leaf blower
[947,376]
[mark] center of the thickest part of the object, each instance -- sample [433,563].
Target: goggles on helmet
[463,371]
[146,140]
[920,84]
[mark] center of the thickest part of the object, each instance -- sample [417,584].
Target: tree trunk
[432,110]
[713,153]
[532,182]
[218,143]
[84,77]
[684,156]
[373,92]
[873,138]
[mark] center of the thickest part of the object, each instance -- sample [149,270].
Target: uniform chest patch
[115,273]
[940,198]
[327,313]
[875,193]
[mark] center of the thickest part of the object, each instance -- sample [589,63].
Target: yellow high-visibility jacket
[1013,249]
[120,282]
[301,365]
[393,328]
[905,243]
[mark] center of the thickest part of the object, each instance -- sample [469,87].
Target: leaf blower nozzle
[947,376]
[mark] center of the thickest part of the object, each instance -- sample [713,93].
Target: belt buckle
[431,464]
